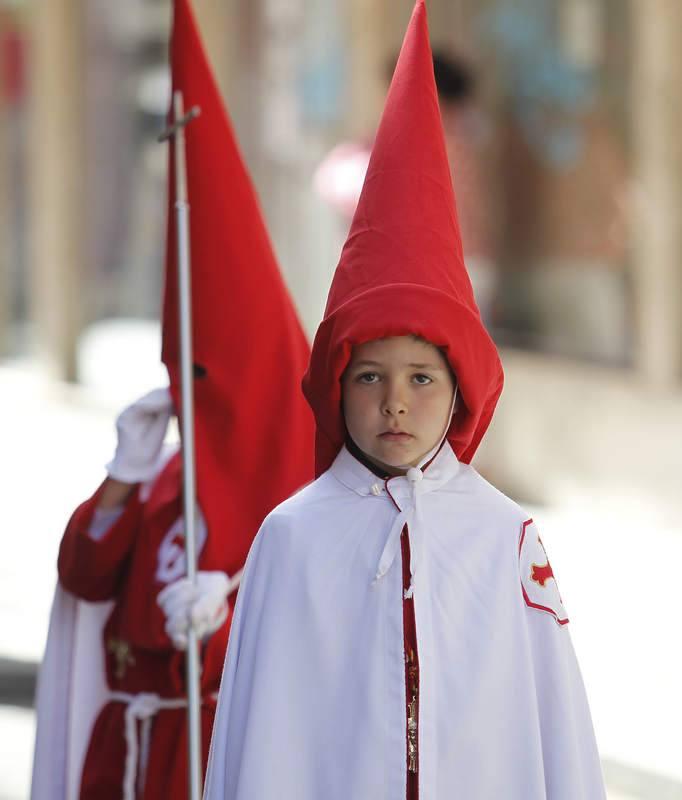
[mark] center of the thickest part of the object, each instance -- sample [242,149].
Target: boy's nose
[394,404]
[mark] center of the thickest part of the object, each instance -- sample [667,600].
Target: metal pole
[177,131]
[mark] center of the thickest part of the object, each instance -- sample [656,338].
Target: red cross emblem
[541,573]
[539,592]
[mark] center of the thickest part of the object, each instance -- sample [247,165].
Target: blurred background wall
[567,161]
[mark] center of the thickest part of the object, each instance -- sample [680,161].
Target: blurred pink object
[339,178]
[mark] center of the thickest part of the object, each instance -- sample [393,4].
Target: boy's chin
[398,462]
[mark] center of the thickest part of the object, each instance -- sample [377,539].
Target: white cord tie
[142,708]
[414,475]
[412,518]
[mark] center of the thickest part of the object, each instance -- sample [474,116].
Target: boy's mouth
[395,436]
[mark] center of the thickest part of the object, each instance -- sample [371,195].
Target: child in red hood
[399,631]
[253,445]
[125,545]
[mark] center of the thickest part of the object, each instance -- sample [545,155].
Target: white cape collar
[360,479]
[406,492]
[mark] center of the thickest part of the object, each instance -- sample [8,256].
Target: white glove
[141,430]
[203,606]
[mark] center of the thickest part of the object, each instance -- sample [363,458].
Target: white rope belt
[141,707]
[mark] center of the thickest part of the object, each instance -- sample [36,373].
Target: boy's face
[397,394]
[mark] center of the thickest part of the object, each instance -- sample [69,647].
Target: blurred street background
[562,121]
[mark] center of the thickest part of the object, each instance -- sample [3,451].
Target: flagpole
[193,671]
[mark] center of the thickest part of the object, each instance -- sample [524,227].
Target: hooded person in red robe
[398,631]
[112,703]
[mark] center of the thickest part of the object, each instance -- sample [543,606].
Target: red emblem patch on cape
[538,584]
[541,574]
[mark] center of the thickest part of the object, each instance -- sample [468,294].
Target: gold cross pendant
[122,655]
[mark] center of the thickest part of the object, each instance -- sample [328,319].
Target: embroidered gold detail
[123,656]
[412,712]
[412,734]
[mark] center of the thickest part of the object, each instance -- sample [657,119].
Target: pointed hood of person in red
[254,430]
[402,268]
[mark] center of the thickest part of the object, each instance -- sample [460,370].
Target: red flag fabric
[254,431]
[402,268]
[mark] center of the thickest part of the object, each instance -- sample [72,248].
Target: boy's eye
[422,379]
[367,377]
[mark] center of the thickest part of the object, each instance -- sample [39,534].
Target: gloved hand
[141,430]
[204,606]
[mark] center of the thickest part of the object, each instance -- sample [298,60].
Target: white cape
[70,693]
[312,702]
[72,685]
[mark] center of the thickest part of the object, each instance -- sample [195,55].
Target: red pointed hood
[254,431]
[402,267]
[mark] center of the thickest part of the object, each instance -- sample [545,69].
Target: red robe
[130,565]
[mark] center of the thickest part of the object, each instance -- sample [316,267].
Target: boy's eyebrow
[366,363]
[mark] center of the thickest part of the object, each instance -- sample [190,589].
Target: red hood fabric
[254,431]
[402,268]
